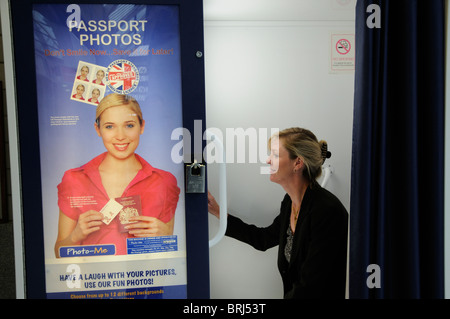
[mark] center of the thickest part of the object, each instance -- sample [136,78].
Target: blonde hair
[116,99]
[302,143]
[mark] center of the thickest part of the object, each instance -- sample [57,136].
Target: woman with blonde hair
[95,94]
[311,229]
[99,77]
[84,71]
[79,92]
[117,174]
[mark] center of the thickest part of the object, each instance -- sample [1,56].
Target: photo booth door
[67,59]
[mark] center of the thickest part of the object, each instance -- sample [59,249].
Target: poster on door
[109,96]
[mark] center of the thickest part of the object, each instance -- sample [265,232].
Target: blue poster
[109,97]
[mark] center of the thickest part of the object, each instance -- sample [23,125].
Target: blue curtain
[397,190]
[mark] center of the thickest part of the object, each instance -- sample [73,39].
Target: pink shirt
[81,190]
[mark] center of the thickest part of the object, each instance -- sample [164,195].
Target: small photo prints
[89,83]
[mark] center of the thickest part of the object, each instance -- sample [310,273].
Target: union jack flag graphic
[122,76]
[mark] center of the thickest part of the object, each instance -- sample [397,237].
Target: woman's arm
[72,232]
[260,238]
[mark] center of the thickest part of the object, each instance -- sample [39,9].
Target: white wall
[267,66]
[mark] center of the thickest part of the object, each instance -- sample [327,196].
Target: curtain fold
[397,191]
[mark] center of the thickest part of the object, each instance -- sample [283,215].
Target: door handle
[222,189]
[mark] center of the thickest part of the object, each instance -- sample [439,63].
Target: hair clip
[325,153]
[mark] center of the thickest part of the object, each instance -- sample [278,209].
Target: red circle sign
[343,46]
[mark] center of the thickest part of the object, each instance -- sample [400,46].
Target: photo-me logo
[84,251]
[122,76]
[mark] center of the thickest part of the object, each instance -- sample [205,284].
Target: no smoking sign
[343,46]
[342,56]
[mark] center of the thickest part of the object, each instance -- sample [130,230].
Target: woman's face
[95,94]
[281,165]
[84,71]
[100,76]
[120,131]
[80,90]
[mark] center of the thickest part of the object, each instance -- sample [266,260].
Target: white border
[13,147]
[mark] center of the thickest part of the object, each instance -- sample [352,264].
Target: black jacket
[319,253]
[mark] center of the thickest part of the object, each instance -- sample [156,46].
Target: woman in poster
[94,96]
[117,176]
[83,73]
[100,76]
[79,92]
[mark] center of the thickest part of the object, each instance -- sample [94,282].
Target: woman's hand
[146,226]
[213,207]
[88,223]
